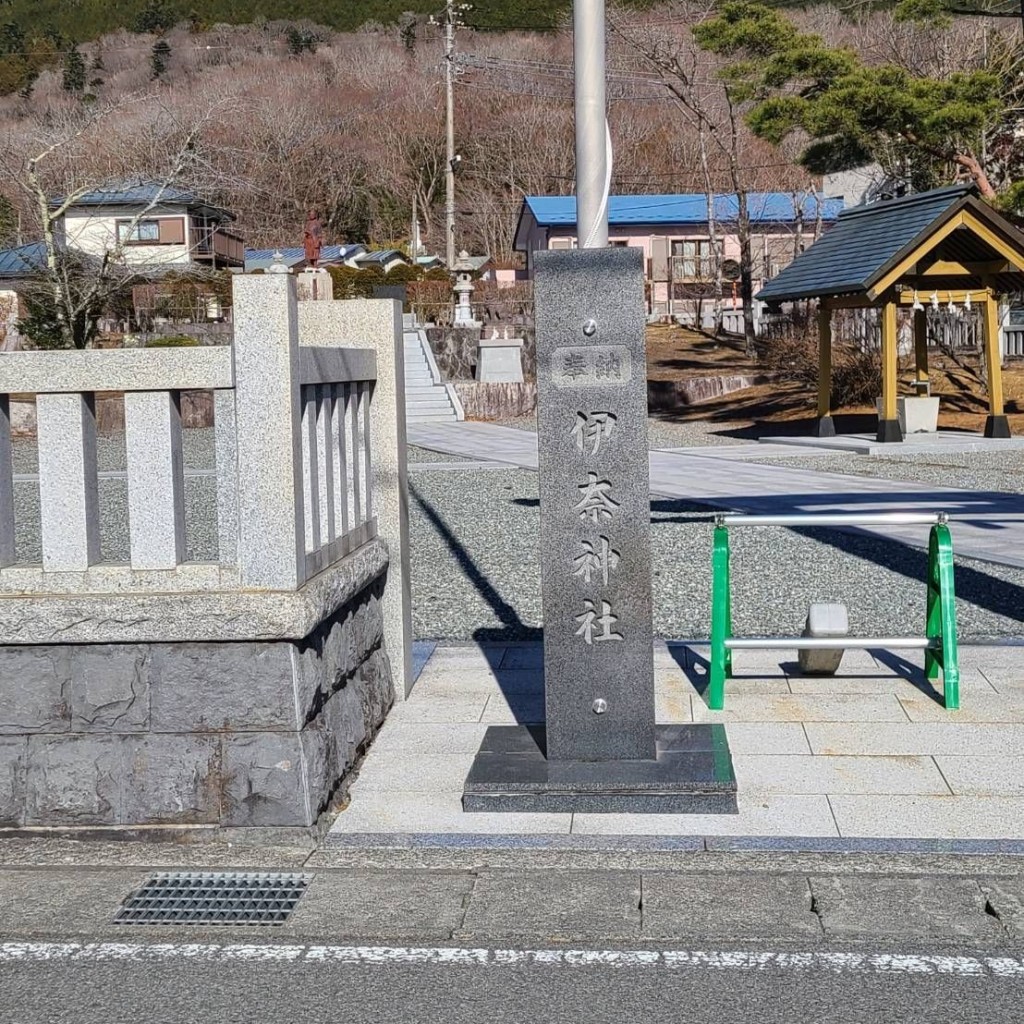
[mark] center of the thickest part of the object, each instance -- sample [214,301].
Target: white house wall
[94,232]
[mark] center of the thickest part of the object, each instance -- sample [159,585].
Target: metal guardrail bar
[786,643]
[834,519]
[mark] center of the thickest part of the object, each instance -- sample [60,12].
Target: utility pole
[449,90]
[593,151]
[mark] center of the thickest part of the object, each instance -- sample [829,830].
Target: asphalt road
[210,992]
[793,939]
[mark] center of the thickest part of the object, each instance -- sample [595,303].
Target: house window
[152,231]
[562,243]
[144,231]
[692,259]
[615,243]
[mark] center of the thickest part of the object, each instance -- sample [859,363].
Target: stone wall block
[265,781]
[110,689]
[323,763]
[13,766]
[173,780]
[376,690]
[35,687]
[74,780]
[243,687]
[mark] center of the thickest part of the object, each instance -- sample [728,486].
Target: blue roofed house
[294,257]
[358,257]
[673,232]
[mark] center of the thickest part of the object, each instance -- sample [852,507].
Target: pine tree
[158,58]
[74,71]
[154,17]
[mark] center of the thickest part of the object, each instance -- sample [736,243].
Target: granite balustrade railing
[293,463]
[309,439]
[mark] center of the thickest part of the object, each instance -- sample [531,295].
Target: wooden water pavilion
[941,246]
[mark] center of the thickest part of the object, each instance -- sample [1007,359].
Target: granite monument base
[691,774]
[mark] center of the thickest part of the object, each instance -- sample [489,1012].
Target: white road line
[722,960]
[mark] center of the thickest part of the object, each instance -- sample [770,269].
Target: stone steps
[425,400]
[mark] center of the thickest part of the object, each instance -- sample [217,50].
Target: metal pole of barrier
[834,519]
[827,643]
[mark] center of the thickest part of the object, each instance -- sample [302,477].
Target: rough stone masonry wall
[235,734]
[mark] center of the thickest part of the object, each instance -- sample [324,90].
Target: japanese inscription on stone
[596,366]
[595,505]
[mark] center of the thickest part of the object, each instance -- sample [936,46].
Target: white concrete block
[156,479]
[824,619]
[68,497]
[500,359]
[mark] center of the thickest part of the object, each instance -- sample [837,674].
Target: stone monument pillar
[601,750]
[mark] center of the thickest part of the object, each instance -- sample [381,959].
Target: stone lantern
[463,289]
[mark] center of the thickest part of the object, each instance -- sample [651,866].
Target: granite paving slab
[982,775]
[554,906]
[903,908]
[825,763]
[929,817]
[837,707]
[794,773]
[728,907]
[896,739]
[424,906]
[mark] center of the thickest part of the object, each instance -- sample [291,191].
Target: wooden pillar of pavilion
[888,422]
[922,380]
[996,424]
[826,428]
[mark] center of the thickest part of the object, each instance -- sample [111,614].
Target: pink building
[674,233]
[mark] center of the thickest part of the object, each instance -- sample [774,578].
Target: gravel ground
[975,471]
[484,527]
[425,455]
[475,566]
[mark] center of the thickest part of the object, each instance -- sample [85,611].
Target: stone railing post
[377,324]
[268,418]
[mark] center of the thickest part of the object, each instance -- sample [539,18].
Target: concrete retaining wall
[665,395]
[228,733]
[496,401]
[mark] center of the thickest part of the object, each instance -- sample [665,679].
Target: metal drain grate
[237,898]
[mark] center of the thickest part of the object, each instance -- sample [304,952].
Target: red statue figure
[313,238]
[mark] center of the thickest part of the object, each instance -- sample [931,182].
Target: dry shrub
[792,356]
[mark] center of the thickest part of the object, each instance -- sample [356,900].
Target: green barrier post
[941,616]
[721,620]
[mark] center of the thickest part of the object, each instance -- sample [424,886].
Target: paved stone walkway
[988,525]
[871,753]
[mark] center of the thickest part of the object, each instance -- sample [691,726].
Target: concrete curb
[687,844]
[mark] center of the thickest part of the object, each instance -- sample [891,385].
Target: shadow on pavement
[523,691]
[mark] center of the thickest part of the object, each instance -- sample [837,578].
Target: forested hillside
[272,118]
[87,19]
